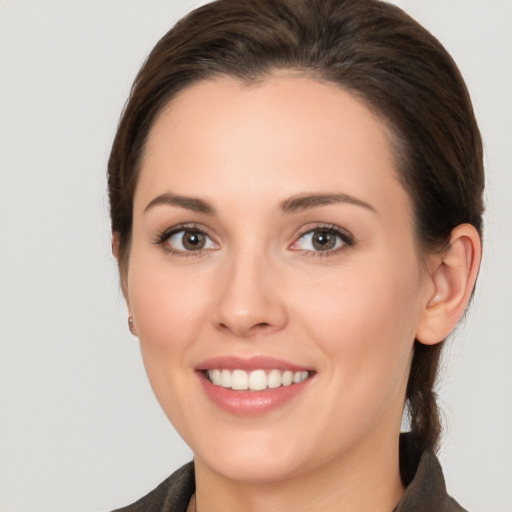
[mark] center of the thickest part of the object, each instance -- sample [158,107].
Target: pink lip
[250,403]
[249,364]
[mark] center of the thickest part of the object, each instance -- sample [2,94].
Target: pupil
[323,240]
[193,241]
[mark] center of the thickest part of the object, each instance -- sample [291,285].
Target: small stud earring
[131,326]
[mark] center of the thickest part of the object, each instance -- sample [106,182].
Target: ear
[453,275]
[115,245]
[120,266]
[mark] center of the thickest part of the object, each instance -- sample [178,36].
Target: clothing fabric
[420,471]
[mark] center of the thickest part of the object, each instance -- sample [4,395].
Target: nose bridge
[249,299]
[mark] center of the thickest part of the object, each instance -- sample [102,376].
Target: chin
[256,456]
[258,468]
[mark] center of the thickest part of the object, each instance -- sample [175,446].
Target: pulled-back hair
[367,47]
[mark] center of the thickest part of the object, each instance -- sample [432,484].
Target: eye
[185,240]
[323,239]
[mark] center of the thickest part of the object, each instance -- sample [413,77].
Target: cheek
[169,308]
[165,303]
[365,320]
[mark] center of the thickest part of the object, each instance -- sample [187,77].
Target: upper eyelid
[185,227]
[348,240]
[327,227]
[163,237]
[308,228]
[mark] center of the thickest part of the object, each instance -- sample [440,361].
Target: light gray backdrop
[80,429]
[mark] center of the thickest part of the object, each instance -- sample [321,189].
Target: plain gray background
[80,428]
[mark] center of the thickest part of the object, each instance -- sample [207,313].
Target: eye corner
[330,241]
[204,241]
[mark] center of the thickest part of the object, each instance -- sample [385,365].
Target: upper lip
[248,364]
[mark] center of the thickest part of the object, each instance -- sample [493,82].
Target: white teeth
[257,380]
[239,380]
[274,379]
[214,376]
[225,378]
[287,378]
[299,377]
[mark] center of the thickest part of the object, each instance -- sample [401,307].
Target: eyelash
[346,238]
[164,236]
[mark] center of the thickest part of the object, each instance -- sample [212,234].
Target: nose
[250,299]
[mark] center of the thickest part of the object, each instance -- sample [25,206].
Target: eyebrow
[294,204]
[302,202]
[190,203]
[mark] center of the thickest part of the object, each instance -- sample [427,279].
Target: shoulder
[172,495]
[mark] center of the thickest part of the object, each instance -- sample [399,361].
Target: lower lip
[251,403]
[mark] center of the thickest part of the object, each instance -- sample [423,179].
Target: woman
[296,201]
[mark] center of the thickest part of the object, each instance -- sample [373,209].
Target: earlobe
[453,278]
[115,245]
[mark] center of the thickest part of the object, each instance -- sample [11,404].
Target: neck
[368,480]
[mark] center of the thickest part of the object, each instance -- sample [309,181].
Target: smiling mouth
[256,380]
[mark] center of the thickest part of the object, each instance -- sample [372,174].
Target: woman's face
[271,236]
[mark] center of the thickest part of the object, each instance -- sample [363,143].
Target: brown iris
[193,240]
[323,240]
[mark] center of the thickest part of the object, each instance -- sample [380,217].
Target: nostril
[246,330]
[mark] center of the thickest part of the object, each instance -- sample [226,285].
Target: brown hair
[368,47]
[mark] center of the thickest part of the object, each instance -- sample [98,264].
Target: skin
[261,288]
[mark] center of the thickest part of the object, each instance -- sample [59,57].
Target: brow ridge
[297,203]
[302,202]
[190,203]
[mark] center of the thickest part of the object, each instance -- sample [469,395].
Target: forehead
[287,132]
